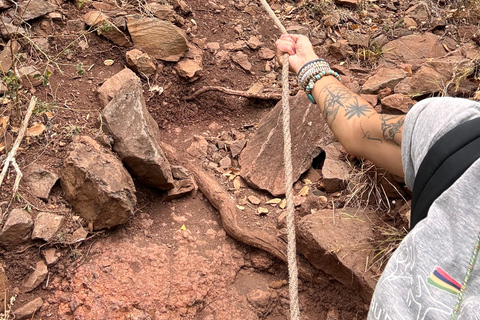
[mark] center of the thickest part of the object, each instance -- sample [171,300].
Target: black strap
[444,163]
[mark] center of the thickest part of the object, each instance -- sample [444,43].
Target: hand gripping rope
[287,156]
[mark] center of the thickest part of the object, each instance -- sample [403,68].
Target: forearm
[359,128]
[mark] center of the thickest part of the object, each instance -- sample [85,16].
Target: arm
[359,128]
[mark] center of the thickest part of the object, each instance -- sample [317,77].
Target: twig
[245,94]
[21,134]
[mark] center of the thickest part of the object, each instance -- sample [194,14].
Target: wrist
[306,60]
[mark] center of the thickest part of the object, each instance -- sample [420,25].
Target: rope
[287,157]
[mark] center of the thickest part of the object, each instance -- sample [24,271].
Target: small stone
[259,299]
[46,226]
[212,47]
[51,256]
[189,69]
[410,23]
[278,284]
[237,146]
[16,229]
[180,172]
[181,188]
[254,200]
[39,181]
[225,162]
[335,174]
[29,76]
[79,235]
[262,210]
[266,54]
[398,102]
[198,148]
[254,43]
[241,59]
[140,62]
[28,309]
[36,277]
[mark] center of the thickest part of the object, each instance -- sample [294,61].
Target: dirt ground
[173,260]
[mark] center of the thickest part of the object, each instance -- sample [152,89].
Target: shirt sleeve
[428,121]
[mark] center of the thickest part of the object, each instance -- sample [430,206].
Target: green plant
[104,27]
[81,3]
[80,69]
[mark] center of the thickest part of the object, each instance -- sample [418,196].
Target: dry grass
[364,189]
[7,313]
[389,240]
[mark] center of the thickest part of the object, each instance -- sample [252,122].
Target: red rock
[138,143]
[28,309]
[339,245]
[39,181]
[262,160]
[425,81]
[189,69]
[398,102]
[140,62]
[182,187]
[241,59]
[198,148]
[106,28]
[340,49]
[97,185]
[372,99]
[352,3]
[254,43]
[46,225]
[16,229]
[266,54]
[112,85]
[413,48]
[335,174]
[383,78]
[36,277]
[160,39]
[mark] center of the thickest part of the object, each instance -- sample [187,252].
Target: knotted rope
[287,158]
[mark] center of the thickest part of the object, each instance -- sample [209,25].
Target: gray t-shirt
[425,274]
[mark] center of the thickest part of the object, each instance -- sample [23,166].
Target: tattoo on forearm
[391,126]
[357,109]
[367,134]
[336,97]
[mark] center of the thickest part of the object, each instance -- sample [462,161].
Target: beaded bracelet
[313,80]
[309,69]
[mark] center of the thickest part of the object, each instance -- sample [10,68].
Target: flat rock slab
[97,185]
[338,244]
[384,78]
[425,81]
[414,48]
[262,159]
[160,39]
[36,277]
[137,136]
[28,309]
[16,229]
[33,9]
[39,181]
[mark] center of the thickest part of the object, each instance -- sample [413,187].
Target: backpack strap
[443,164]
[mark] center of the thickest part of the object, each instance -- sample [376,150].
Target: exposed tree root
[263,96]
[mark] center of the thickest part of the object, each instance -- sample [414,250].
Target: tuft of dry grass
[7,313]
[388,241]
[364,189]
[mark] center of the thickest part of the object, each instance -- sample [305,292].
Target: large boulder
[137,136]
[262,159]
[339,244]
[97,185]
[16,229]
[414,48]
[160,39]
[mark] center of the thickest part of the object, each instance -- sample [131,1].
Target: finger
[286,47]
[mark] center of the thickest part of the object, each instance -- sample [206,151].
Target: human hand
[298,47]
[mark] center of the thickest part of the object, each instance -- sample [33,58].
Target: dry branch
[245,94]
[11,154]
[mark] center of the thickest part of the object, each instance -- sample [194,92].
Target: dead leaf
[35,130]
[240,207]
[307,181]
[304,191]
[262,210]
[283,204]
[274,201]
[323,199]
[239,183]
[108,62]
[446,47]
[409,70]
